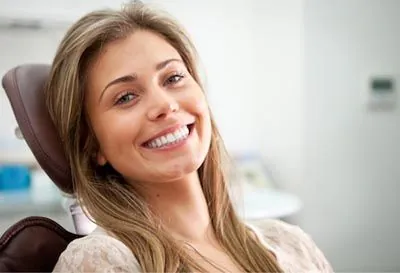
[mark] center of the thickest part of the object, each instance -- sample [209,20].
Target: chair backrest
[24,86]
[35,243]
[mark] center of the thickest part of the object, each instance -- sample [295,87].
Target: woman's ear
[101,159]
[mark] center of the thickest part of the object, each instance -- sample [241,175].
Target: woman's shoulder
[293,247]
[278,230]
[97,252]
[278,234]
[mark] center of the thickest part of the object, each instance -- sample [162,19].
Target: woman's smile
[170,139]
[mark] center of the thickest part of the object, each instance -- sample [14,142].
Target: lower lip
[175,145]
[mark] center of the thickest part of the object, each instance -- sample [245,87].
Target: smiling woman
[140,99]
[147,159]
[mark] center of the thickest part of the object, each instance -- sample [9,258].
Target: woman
[147,159]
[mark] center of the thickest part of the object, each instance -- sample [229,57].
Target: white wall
[352,176]
[277,99]
[312,62]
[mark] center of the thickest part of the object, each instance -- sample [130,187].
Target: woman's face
[149,115]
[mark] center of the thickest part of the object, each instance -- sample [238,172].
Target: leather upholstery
[33,245]
[24,87]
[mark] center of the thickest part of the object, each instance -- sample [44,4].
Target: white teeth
[185,131]
[177,134]
[170,138]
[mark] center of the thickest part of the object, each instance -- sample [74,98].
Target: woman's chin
[179,172]
[177,169]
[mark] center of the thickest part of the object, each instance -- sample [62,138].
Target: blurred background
[308,87]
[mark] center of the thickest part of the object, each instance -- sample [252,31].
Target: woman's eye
[174,79]
[125,98]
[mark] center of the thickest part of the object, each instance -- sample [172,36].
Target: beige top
[99,252]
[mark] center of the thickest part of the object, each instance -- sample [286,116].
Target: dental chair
[34,244]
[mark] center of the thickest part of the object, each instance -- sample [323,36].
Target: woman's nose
[162,105]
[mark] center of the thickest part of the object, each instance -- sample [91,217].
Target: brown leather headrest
[24,86]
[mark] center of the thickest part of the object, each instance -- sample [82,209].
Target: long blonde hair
[106,197]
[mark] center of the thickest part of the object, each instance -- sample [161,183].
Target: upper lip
[170,129]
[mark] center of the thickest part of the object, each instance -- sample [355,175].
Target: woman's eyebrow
[123,79]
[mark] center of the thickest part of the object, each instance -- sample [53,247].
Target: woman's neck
[182,208]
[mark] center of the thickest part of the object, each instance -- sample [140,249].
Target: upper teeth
[170,138]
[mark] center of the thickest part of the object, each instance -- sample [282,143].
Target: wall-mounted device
[382,93]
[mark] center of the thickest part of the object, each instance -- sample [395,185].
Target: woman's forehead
[139,52]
